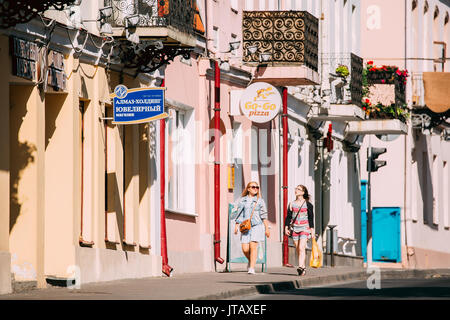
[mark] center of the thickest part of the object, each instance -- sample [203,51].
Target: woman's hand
[287,231]
[267,232]
[236,226]
[313,235]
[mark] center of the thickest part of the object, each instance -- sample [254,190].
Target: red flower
[383,81]
[367,101]
[370,62]
[364,108]
[399,72]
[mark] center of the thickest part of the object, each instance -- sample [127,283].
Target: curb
[330,279]
[286,285]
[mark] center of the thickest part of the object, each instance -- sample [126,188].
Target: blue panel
[386,234]
[364,219]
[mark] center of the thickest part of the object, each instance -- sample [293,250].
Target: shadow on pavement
[408,292]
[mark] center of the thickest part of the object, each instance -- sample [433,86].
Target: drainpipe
[166,269]
[320,146]
[217,257]
[285,176]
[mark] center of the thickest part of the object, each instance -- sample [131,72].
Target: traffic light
[372,155]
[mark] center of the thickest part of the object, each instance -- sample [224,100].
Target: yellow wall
[27,146]
[4,148]
[44,158]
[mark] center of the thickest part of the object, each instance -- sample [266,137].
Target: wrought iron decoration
[356,82]
[148,58]
[154,13]
[290,36]
[13,12]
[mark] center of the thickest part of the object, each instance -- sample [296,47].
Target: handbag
[291,225]
[246,225]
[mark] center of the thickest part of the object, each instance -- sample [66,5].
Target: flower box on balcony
[384,92]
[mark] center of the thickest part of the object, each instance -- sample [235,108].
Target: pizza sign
[260,102]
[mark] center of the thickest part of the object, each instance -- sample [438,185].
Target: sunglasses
[254,187]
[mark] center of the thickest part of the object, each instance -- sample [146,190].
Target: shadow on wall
[421,155]
[53,106]
[326,188]
[21,153]
[354,192]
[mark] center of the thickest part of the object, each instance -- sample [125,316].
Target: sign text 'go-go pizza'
[260,102]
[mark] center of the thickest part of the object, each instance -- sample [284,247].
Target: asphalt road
[422,289]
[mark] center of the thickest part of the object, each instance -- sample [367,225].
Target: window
[439,53]
[86,176]
[180,166]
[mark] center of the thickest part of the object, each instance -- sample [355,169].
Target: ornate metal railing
[154,13]
[291,37]
[356,82]
[13,12]
[343,89]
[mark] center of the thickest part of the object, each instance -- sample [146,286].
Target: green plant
[342,71]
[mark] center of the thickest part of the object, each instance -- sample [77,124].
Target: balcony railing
[290,37]
[13,12]
[179,14]
[343,89]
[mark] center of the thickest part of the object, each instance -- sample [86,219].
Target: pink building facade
[414,36]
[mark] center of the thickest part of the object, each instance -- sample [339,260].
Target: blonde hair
[245,192]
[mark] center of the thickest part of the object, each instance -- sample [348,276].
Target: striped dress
[301,225]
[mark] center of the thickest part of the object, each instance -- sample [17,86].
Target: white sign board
[261,102]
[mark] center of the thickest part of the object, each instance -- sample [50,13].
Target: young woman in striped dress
[303,212]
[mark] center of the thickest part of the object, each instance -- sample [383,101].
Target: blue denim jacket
[245,207]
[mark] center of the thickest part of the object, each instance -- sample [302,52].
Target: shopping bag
[316,255]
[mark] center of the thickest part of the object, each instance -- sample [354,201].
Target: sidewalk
[209,286]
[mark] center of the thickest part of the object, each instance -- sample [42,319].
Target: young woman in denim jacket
[260,228]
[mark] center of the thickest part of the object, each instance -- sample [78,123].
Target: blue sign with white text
[138,105]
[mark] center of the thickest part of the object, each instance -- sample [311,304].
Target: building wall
[412,184]
[5,256]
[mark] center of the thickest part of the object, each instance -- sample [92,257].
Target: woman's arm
[288,216]
[311,217]
[288,220]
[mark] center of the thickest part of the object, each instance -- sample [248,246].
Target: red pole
[285,177]
[166,269]
[217,257]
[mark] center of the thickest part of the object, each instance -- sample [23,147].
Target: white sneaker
[251,271]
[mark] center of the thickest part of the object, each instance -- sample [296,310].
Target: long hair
[245,192]
[306,195]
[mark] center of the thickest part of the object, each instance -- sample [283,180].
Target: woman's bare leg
[246,250]
[253,254]
[297,248]
[302,253]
